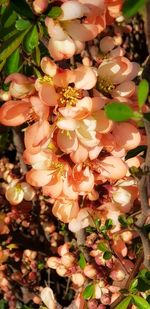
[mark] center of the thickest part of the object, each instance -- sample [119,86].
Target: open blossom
[68,33]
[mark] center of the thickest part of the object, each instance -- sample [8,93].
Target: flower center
[105,86]
[69,96]
[46,79]
[58,167]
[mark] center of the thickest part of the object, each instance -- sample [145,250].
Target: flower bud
[117,275]
[78,279]
[98,291]
[68,260]
[14,195]
[63,249]
[40,6]
[61,270]
[90,271]
[48,66]
[122,196]
[48,298]
[53,262]
[29,192]
[4,95]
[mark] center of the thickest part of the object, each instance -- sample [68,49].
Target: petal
[48,95]
[107,44]
[68,190]
[67,143]
[48,66]
[126,135]
[18,78]
[72,10]
[80,155]
[39,108]
[103,124]
[67,124]
[81,32]
[85,78]
[53,188]
[113,168]
[125,89]
[14,113]
[37,135]
[38,178]
[63,49]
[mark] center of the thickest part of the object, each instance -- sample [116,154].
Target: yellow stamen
[105,86]
[69,96]
[59,167]
[46,79]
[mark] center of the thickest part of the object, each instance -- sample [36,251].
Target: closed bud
[53,262]
[68,260]
[90,271]
[117,275]
[61,270]
[29,192]
[122,196]
[63,249]
[78,279]
[14,195]
[40,6]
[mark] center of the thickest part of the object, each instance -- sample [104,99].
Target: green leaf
[22,24]
[55,12]
[134,152]
[125,303]
[123,220]
[131,7]
[12,63]
[102,247]
[118,111]
[109,224]
[31,40]
[147,116]
[10,45]
[36,55]
[140,302]
[9,17]
[143,90]
[82,261]
[3,304]
[22,8]
[133,285]
[88,292]
[107,255]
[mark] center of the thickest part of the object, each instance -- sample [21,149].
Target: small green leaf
[140,302]
[133,286]
[143,90]
[31,40]
[82,261]
[36,55]
[134,152]
[125,303]
[131,7]
[3,304]
[109,224]
[10,45]
[102,247]
[9,17]
[123,221]
[12,63]
[88,292]
[118,111]
[22,24]
[22,8]
[107,255]
[55,12]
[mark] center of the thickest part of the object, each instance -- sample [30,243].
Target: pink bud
[63,249]
[40,6]
[90,271]
[53,262]
[68,260]
[61,270]
[78,279]
[48,66]
[117,275]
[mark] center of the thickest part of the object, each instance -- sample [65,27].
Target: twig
[130,278]
[17,139]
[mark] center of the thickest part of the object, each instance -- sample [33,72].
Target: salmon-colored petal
[65,210]
[67,124]
[67,142]
[17,78]
[94,152]
[63,77]
[113,168]
[107,44]
[48,66]
[38,178]
[68,190]
[61,49]
[126,135]
[53,188]
[37,135]
[85,78]
[39,108]
[80,155]
[14,113]
[126,89]
[48,95]
[103,124]
[81,32]
[80,111]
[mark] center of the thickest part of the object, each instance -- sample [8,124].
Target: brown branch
[127,284]
[17,139]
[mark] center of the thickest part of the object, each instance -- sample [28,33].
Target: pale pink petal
[113,168]
[80,155]
[118,51]
[67,143]
[53,188]
[125,89]
[39,108]
[80,111]
[38,178]
[68,190]
[72,10]
[48,66]
[107,44]
[82,32]
[94,152]
[67,124]
[63,49]
[85,78]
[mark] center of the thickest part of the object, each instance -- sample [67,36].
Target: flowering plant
[74,219]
